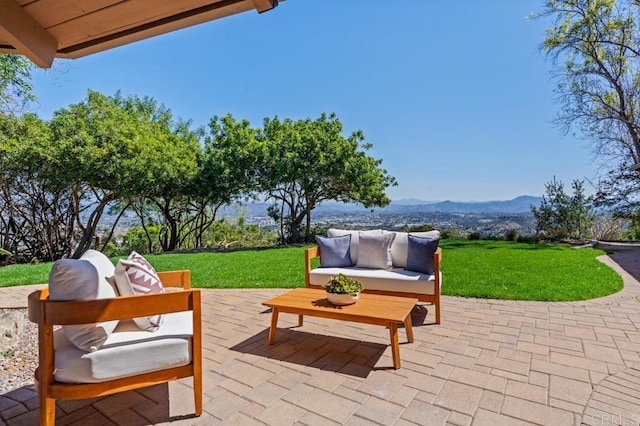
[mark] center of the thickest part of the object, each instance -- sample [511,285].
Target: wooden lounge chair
[182,324]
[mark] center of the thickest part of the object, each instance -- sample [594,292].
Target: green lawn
[520,271]
[486,269]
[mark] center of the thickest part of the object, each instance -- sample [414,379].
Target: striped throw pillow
[135,275]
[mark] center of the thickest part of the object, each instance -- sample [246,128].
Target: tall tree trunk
[282,236]
[106,240]
[89,230]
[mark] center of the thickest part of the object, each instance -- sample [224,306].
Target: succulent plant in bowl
[342,290]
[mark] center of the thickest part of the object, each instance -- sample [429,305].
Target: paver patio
[490,362]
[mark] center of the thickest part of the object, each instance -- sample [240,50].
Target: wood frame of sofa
[47,313]
[314,252]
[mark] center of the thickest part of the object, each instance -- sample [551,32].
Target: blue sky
[454,96]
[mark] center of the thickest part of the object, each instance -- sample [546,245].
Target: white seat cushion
[128,351]
[395,279]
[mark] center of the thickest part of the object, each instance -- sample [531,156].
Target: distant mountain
[520,204]
[411,202]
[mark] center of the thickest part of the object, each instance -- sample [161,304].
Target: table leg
[300,320]
[408,326]
[395,346]
[274,325]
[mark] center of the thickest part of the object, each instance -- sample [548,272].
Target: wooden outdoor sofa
[395,280]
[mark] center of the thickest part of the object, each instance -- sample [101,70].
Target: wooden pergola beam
[264,5]
[27,35]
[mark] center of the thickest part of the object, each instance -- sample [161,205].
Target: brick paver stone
[426,414]
[535,413]
[459,397]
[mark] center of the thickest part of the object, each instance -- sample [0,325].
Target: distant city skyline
[455,98]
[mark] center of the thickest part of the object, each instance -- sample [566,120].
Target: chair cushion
[84,279]
[399,248]
[395,279]
[353,248]
[374,251]
[135,275]
[334,251]
[420,254]
[128,351]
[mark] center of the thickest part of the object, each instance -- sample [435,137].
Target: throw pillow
[331,232]
[84,279]
[334,252]
[135,275]
[400,246]
[420,254]
[374,251]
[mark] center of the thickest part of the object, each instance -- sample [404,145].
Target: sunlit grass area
[522,271]
[485,269]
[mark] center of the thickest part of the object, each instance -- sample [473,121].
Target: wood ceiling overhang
[46,29]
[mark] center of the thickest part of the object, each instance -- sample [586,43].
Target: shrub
[136,239]
[511,235]
[451,233]
[529,239]
[316,230]
[419,228]
[559,234]
[561,216]
[607,227]
[227,234]
[475,235]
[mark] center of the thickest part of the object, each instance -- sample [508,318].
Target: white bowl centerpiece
[342,290]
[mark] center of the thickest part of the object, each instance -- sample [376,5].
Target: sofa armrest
[310,253]
[437,258]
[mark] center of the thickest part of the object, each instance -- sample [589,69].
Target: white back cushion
[83,279]
[331,232]
[400,246]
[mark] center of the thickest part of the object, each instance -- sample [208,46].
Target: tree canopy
[16,89]
[309,161]
[561,216]
[296,164]
[126,153]
[595,46]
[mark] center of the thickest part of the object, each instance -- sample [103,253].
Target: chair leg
[197,393]
[47,410]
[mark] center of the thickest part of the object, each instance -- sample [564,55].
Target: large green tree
[595,45]
[177,153]
[227,171]
[306,162]
[37,219]
[110,148]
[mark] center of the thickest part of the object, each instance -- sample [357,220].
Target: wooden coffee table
[387,311]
